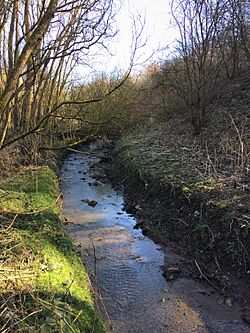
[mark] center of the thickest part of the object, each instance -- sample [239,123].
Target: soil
[159,215]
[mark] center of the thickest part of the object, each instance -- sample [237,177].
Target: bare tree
[233,37]
[213,34]
[44,40]
[198,23]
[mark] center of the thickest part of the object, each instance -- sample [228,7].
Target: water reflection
[124,265]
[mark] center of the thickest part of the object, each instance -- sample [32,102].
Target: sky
[156,31]
[157,34]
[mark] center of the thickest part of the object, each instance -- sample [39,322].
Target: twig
[48,305]
[13,221]
[21,320]
[86,153]
[65,321]
[98,294]
[11,270]
[68,288]
[201,175]
[80,312]
[210,160]
[95,273]
[210,231]
[17,277]
[240,140]
[4,327]
[243,250]
[95,262]
[204,276]
[217,263]
[181,221]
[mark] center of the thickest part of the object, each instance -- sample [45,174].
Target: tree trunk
[30,46]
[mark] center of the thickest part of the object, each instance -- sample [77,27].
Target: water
[125,266]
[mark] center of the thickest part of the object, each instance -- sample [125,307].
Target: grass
[166,174]
[161,155]
[43,284]
[147,154]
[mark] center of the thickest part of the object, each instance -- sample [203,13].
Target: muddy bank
[203,233]
[126,267]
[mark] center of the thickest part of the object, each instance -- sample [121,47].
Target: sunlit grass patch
[144,153]
[43,284]
[29,190]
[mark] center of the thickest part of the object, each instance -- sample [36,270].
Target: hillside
[192,192]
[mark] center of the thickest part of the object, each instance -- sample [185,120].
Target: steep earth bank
[204,217]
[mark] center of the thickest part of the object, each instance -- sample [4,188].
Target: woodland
[41,43]
[182,126]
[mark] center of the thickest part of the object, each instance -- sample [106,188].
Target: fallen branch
[86,153]
[66,146]
[41,123]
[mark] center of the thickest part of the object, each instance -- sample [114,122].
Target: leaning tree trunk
[14,74]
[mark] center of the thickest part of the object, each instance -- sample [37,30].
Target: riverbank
[125,266]
[203,215]
[44,286]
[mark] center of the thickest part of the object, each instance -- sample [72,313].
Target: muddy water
[125,266]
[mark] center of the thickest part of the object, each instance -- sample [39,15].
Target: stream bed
[125,266]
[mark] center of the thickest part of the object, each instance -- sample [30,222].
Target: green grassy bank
[206,216]
[43,284]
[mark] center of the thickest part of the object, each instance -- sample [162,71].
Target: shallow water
[125,266]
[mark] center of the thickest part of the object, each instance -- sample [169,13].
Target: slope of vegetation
[44,287]
[194,190]
[189,171]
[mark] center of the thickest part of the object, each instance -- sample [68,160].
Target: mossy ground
[202,213]
[43,284]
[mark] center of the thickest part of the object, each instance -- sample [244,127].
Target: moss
[218,204]
[40,272]
[185,189]
[205,187]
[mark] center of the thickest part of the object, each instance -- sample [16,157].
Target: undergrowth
[43,285]
[205,213]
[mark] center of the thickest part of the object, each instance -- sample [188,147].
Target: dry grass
[195,189]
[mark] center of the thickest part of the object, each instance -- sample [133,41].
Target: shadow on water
[125,266]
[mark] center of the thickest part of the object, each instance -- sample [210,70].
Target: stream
[125,266]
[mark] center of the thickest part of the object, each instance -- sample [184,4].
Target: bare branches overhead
[213,34]
[40,43]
